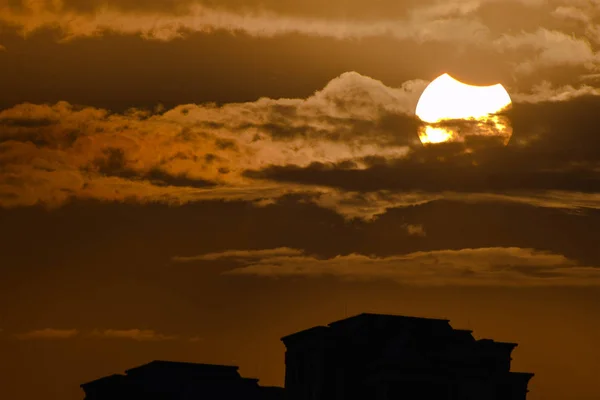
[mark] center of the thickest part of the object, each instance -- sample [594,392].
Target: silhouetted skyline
[366,356]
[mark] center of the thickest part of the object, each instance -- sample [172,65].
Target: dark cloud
[452,174]
[27,122]
[160,178]
[560,131]
[114,164]
[224,144]
[386,129]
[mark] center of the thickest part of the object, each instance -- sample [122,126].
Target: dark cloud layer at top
[543,45]
[314,8]
[118,54]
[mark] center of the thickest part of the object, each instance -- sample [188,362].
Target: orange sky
[192,180]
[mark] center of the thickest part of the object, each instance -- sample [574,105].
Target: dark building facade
[167,380]
[389,357]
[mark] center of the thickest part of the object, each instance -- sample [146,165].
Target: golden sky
[192,180]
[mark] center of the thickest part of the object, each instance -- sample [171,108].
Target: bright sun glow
[446,99]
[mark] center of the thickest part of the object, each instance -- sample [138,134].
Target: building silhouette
[388,357]
[168,380]
[367,357]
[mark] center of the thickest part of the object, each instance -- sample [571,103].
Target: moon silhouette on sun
[451,111]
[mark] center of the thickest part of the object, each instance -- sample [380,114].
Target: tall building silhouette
[388,357]
[367,357]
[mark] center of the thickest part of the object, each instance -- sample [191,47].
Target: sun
[452,110]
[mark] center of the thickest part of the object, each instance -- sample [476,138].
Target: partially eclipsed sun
[452,110]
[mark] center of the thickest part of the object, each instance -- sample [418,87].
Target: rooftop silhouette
[166,380]
[367,356]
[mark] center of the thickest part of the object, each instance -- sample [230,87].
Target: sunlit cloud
[52,154]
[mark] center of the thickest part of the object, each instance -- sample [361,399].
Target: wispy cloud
[48,333]
[546,92]
[242,255]
[367,206]
[494,266]
[425,26]
[141,335]
[551,48]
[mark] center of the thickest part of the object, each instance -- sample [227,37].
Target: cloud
[350,147]
[551,48]
[553,152]
[545,92]
[573,13]
[494,266]
[133,334]
[415,230]
[48,333]
[52,153]
[241,255]
[456,22]
[257,22]
[141,335]
[455,169]
[368,206]
[583,13]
